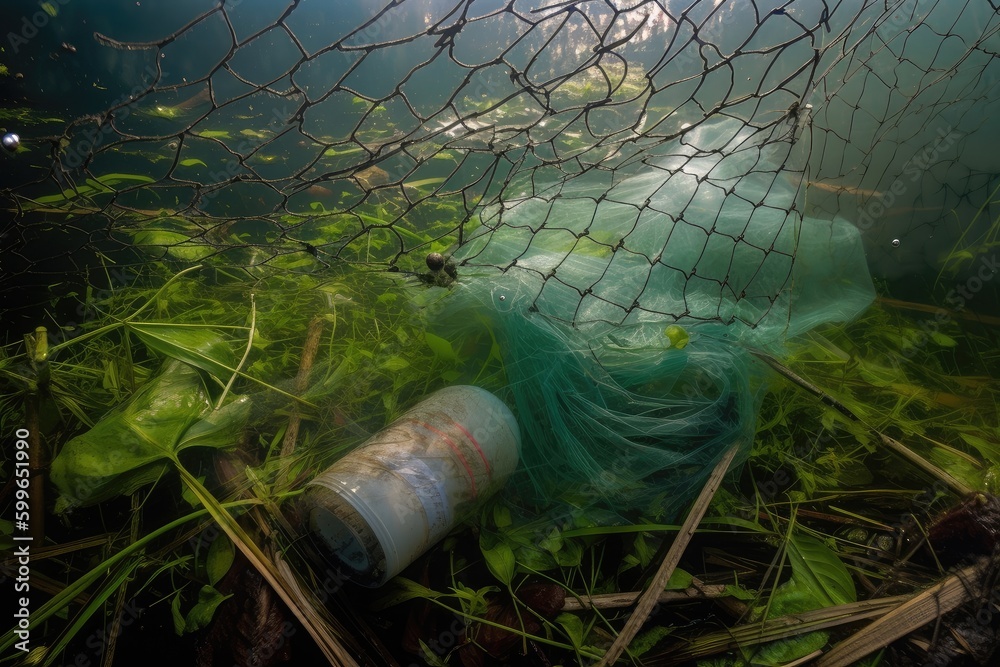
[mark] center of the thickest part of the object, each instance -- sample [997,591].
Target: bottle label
[429,489]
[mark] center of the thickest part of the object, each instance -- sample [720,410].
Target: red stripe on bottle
[454,448]
[479,449]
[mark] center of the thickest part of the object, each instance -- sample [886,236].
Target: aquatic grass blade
[70,592]
[201,347]
[323,636]
[123,574]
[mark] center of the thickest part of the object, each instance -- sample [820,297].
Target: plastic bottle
[384,504]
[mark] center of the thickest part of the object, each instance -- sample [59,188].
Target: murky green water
[255,233]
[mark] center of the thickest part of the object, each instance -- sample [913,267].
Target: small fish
[371,177]
[909,210]
[195,100]
[254,134]
[319,191]
[844,189]
[67,47]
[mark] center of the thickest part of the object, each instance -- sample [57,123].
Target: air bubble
[11,141]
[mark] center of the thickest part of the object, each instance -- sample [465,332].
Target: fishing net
[595,173]
[625,417]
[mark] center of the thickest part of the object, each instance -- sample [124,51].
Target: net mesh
[606,181]
[678,159]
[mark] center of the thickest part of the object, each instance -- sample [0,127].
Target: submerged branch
[918,611]
[301,383]
[320,631]
[934,310]
[649,598]
[782,627]
[618,600]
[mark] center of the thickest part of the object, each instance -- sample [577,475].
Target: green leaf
[987,449]
[189,496]
[191,162]
[552,542]
[820,570]
[65,195]
[679,580]
[962,468]
[441,348]
[642,549]
[394,364]
[136,444]
[647,640]
[218,428]
[115,179]
[432,658]
[158,241]
[401,589]
[129,447]
[501,516]
[943,340]
[500,560]
[535,559]
[739,592]
[782,652]
[573,627]
[201,614]
[473,602]
[202,348]
[819,579]
[570,555]
[175,613]
[162,111]
[425,181]
[220,558]
[677,336]
[591,531]
[628,562]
